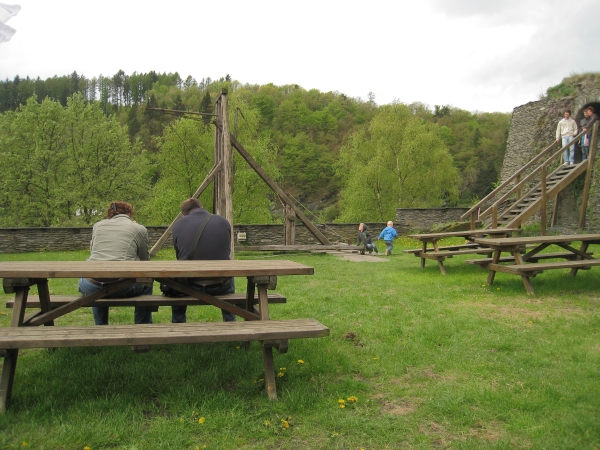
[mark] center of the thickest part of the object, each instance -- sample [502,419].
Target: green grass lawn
[434,362]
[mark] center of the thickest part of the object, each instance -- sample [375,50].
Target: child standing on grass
[388,235]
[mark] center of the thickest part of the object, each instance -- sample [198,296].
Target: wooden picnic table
[439,254]
[528,265]
[25,332]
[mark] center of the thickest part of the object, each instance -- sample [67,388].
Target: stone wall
[417,220]
[18,240]
[533,128]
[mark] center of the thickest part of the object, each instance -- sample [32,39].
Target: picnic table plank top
[479,232]
[512,241]
[150,269]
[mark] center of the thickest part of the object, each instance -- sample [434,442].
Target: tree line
[344,158]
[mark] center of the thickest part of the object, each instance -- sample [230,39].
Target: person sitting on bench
[365,238]
[200,235]
[118,238]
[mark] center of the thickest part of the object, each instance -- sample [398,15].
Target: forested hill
[344,157]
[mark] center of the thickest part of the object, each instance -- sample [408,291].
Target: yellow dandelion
[24,444]
[341,401]
[376,359]
[281,374]
[201,420]
[285,423]
[282,369]
[352,399]
[342,406]
[237,347]
[530,322]
[87,447]
[497,289]
[300,361]
[266,423]
[180,419]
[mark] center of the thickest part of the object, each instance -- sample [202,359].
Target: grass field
[433,362]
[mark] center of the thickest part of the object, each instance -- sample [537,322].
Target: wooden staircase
[506,207]
[531,202]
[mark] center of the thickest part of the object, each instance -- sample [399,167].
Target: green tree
[399,160]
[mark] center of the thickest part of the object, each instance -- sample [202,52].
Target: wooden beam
[227,168]
[267,179]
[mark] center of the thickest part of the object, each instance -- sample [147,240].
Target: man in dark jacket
[214,244]
[365,238]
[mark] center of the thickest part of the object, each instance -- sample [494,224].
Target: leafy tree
[399,160]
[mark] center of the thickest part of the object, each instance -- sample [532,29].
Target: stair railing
[519,183]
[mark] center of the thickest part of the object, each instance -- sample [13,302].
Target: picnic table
[531,263]
[253,306]
[439,254]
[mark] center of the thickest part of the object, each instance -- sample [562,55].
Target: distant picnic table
[528,265]
[439,254]
[26,332]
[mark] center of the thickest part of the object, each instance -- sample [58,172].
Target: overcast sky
[477,55]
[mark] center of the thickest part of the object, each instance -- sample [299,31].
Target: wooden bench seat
[144,300]
[445,248]
[451,253]
[535,258]
[541,267]
[154,334]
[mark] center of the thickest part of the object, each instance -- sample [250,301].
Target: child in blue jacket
[388,235]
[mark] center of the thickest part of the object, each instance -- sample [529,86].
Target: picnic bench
[528,265]
[439,254]
[25,331]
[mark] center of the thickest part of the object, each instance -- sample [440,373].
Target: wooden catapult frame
[221,175]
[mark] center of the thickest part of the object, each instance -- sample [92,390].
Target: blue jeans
[584,152]
[178,313]
[140,315]
[569,153]
[389,245]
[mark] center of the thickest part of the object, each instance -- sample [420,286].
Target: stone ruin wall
[533,128]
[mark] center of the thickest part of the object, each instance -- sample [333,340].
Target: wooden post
[227,191]
[494,216]
[282,195]
[588,175]
[289,226]
[473,220]
[517,182]
[218,201]
[544,200]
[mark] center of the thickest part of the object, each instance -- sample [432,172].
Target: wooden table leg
[492,273]
[269,373]
[526,281]
[441,266]
[10,359]
[423,251]
[44,294]
[583,249]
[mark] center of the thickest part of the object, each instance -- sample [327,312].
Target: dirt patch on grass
[442,438]
[357,257]
[551,308]
[399,407]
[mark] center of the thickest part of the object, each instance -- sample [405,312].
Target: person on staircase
[567,130]
[589,118]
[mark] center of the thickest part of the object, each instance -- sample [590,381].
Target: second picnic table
[528,265]
[439,254]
